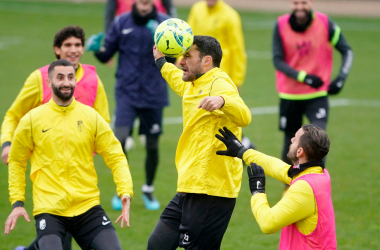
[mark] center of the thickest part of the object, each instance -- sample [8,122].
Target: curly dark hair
[68,32]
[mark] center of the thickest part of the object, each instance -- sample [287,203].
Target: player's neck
[61,102]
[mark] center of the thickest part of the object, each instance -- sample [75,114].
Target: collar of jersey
[62,109]
[206,76]
[217,6]
[311,170]
[79,72]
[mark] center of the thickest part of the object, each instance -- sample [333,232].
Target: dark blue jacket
[137,78]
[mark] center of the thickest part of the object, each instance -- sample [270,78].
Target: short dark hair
[209,46]
[68,32]
[60,62]
[314,142]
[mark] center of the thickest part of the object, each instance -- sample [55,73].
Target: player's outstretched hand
[5,154]
[313,81]
[11,221]
[336,86]
[256,176]
[124,217]
[94,42]
[234,147]
[211,103]
[156,53]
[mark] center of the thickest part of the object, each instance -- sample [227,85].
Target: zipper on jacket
[66,157]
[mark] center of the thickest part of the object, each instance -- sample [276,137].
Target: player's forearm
[278,55]
[110,13]
[16,181]
[261,211]
[173,76]
[272,166]
[101,102]
[347,56]
[236,110]
[8,128]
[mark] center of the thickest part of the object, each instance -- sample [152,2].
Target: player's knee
[50,241]
[152,143]
[154,243]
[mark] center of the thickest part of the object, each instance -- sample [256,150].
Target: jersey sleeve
[238,55]
[110,149]
[234,107]
[297,204]
[101,102]
[338,41]
[272,166]
[22,147]
[173,76]
[279,55]
[28,98]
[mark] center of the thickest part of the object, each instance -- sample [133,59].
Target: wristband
[301,76]
[17,204]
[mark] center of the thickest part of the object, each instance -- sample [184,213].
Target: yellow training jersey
[60,142]
[31,96]
[200,170]
[223,23]
[298,204]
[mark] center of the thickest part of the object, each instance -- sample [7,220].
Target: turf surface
[26,33]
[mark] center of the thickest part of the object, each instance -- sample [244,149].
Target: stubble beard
[62,96]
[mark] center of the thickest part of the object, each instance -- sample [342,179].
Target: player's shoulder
[162,16]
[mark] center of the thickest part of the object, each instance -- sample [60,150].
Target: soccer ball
[173,37]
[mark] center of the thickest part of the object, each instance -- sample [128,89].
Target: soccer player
[303,43]
[60,138]
[217,19]
[305,213]
[140,89]
[69,45]
[198,215]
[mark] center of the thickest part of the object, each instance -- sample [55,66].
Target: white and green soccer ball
[173,37]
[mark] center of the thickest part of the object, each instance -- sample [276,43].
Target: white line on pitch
[268,110]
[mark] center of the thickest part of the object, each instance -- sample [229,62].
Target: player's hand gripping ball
[173,37]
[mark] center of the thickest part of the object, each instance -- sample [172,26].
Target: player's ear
[57,50]
[300,152]
[207,61]
[48,82]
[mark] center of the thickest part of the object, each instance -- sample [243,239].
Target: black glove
[336,86]
[234,147]
[256,178]
[313,81]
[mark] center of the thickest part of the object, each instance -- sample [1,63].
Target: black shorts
[150,119]
[83,227]
[292,111]
[201,219]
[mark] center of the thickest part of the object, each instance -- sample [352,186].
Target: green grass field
[26,34]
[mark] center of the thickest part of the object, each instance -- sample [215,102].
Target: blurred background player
[207,186]
[60,138]
[302,55]
[217,19]
[140,89]
[117,7]
[68,44]
[305,213]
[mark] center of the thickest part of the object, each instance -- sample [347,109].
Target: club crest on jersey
[80,126]
[42,224]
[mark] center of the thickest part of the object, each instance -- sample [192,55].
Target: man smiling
[69,45]
[60,138]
